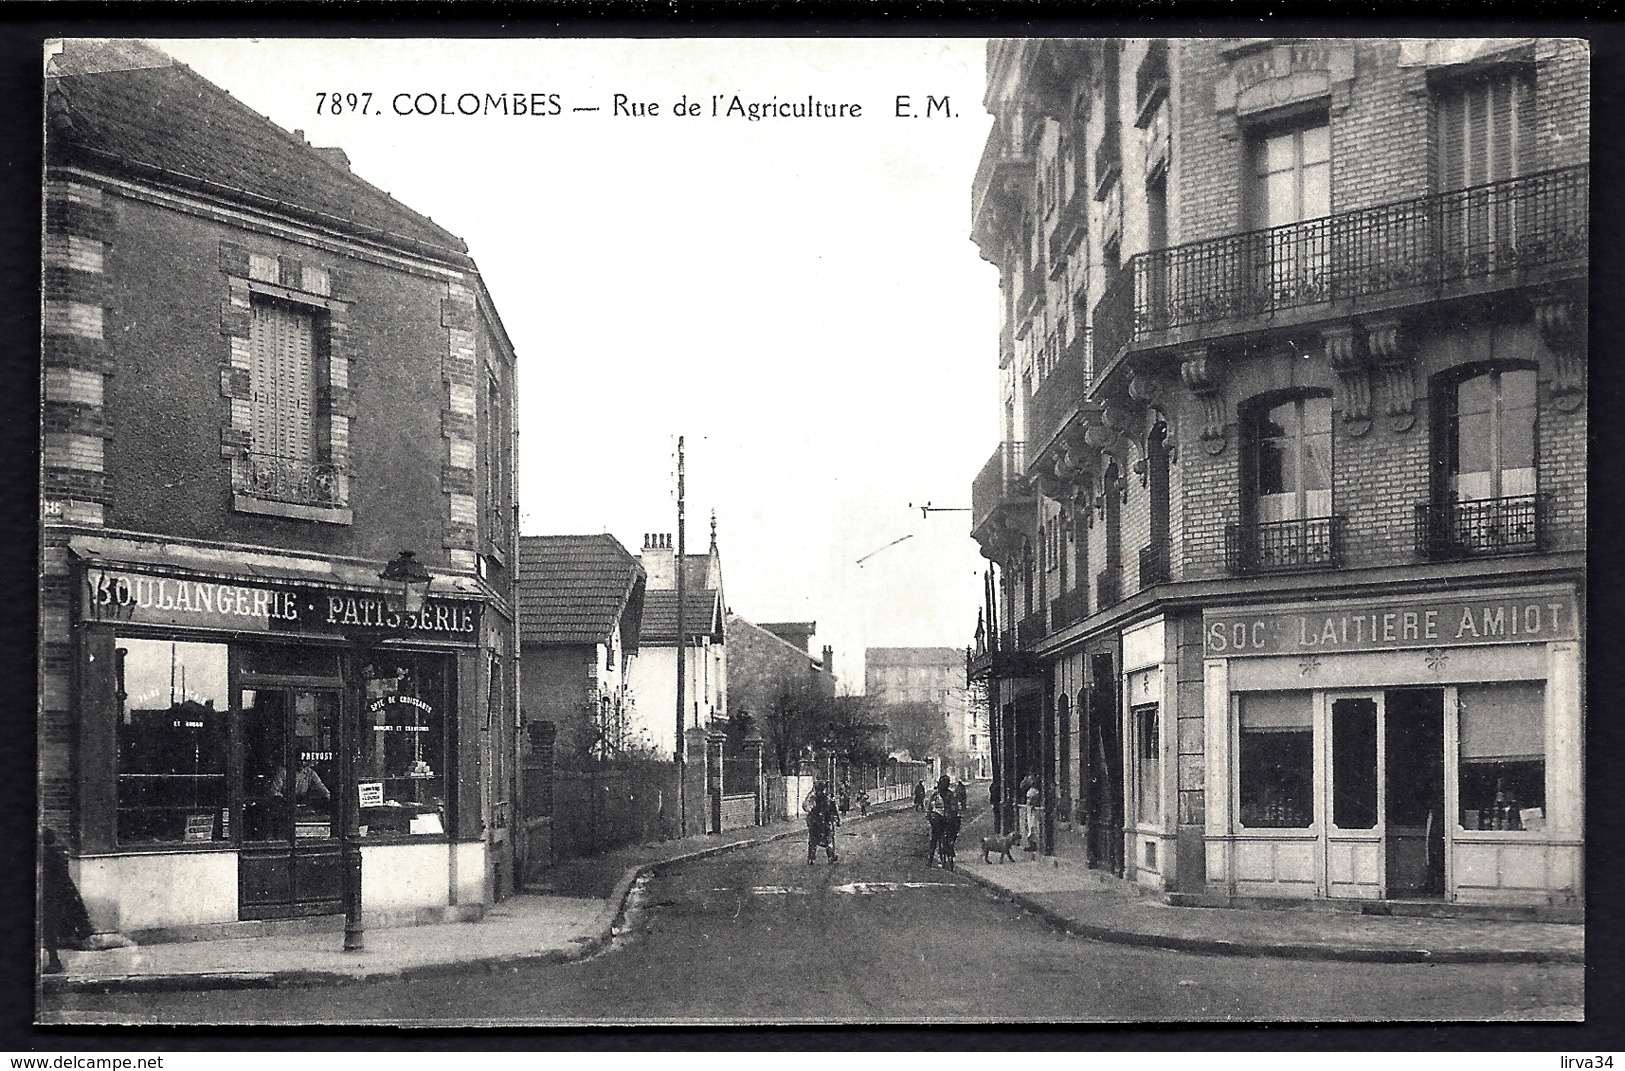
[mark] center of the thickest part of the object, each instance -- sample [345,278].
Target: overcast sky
[796,296]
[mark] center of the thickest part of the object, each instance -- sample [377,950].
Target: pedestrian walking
[1031,823]
[919,795]
[64,922]
[961,793]
[822,818]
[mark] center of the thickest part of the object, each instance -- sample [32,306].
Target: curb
[1217,946]
[601,933]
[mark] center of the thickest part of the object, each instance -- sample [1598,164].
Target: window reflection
[173,712]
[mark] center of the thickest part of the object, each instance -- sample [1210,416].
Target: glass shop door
[290,863]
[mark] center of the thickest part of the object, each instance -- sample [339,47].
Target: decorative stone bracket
[1558,319]
[1202,371]
[1395,360]
[1345,355]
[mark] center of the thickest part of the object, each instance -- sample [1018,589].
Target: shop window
[173,729]
[401,771]
[1354,763]
[1503,756]
[1275,761]
[1147,765]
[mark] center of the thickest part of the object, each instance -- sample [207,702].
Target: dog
[1001,844]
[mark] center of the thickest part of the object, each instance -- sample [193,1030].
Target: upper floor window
[1482,130]
[1291,175]
[285,460]
[1286,510]
[1291,459]
[1485,489]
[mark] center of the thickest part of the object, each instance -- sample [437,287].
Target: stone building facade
[263,378]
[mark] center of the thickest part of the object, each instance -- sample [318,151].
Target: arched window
[1286,509]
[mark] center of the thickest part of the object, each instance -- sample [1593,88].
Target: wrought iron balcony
[1108,587]
[1069,608]
[1005,165]
[1001,481]
[1371,258]
[276,478]
[1284,546]
[1064,391]
[1031,629]
[1154,564]
[1486,526]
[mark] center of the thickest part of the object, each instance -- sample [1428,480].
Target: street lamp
[406,588]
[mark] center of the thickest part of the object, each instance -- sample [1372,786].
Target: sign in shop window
[1275,760]
[402,759]
[1503,756]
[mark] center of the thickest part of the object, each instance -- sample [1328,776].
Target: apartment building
[1286,523]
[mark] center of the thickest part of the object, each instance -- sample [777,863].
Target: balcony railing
[1063,391]
[1480,527]
[1154,564]
[1308,543]
[1031,629]
[1420,245]
[1108,587]
[1001,479]
[1069,608]
[289,479]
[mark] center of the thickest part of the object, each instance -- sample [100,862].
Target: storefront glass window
[1275,761]
[1354,763]
[1503,756]
[173,715]
[401,773]
[1147,764]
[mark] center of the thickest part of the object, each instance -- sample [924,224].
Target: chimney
[659,561]
[333,155]
[829,659]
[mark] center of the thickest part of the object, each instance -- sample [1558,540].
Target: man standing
[822,818]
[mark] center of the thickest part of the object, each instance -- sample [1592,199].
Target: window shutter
[282,369]
[1483,131]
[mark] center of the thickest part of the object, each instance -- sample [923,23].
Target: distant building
[767,663]
[934,675]
[263,378]
[653,675]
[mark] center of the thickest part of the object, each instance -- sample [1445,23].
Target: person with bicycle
[822,818]
[942,810]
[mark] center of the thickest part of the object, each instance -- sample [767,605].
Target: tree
[916,726]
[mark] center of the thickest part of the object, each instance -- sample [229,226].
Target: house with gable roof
[264,379]
[704,632]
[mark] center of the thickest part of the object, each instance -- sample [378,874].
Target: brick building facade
[1287,522]
[262,379]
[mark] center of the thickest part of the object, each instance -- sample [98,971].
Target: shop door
[1413,783]
[290,863]
[1105,840]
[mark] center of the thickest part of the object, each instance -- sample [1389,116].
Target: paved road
[758,936]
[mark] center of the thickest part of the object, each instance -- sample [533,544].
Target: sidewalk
[1088,904]
[569,917]
[574,913]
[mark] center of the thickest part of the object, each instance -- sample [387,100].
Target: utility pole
[682,652]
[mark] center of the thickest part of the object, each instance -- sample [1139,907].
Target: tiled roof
[573,589]
[701,615]
[127,108]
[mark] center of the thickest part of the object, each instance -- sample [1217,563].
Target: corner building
[1287,520]
[263,378]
